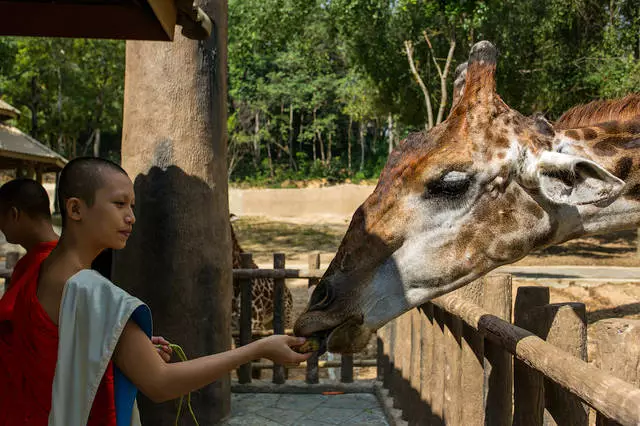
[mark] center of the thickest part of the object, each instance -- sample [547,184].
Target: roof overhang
[115,19]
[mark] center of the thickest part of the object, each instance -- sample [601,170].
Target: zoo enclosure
[452,360]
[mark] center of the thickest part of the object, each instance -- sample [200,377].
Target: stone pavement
[268,409]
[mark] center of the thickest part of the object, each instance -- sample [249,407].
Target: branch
[409,49]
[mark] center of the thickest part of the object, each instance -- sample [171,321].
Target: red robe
[29,351]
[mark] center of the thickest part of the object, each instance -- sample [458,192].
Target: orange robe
[29,351]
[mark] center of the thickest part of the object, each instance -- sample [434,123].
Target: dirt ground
[297,238]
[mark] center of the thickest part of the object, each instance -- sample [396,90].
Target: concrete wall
[340,200]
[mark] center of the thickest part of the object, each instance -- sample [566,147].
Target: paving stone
[263,409]
[334,416]
[282,417]
[252,402]
[300,402]
[352,400]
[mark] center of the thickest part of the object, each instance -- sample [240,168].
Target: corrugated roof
[8,111]
[19,145]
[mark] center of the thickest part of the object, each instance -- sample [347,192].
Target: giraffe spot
[610,127]
[502,142]
[623,167]
[501,155]
[632,127]
[589,134]
[633,193]
[573,134]
[604,148]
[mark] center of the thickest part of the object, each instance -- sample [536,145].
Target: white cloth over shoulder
[93,314]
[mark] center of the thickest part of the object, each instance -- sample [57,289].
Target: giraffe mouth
[346,337]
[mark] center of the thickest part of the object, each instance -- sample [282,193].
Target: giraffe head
[480,190]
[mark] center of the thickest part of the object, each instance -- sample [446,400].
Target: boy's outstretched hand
[162,345]
[277,348]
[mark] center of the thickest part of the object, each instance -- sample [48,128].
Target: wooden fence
[279,273]
[452,362]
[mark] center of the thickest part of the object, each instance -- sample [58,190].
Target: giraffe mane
[595,112]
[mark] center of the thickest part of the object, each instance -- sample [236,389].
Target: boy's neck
[76,251]
[40,231]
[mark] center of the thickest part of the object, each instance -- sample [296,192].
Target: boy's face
[109,221]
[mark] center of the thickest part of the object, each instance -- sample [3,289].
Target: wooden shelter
[23,153]
[117,19]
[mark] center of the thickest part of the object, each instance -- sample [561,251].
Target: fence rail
[279,273]
[451,362]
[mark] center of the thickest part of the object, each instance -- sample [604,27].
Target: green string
[180,352]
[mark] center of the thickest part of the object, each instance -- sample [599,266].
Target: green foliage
[313,83]
[66,89]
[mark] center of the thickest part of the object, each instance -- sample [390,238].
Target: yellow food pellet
[312,344]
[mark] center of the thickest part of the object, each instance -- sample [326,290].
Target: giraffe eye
[449,185]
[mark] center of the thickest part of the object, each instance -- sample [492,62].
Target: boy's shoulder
[90,284]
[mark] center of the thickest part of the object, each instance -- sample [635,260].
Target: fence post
[312,375]
[616,351]
[246,261]
[472,362]
[529,384]
[437,367]
[452,371]
[565,327]
[426,360]
[278,311]
[498,362]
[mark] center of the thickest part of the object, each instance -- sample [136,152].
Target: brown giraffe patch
[609,146]
[589,134]
[573,134]
[623,167]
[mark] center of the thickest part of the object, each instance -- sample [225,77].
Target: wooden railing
[452,362]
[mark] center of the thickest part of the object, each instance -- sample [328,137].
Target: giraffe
[262,295]
[482,189]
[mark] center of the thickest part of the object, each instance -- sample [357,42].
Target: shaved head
[27,196]
[81,178]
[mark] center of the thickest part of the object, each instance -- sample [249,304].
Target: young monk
[93,339]
[25,219]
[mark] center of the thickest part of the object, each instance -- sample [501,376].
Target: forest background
[324,89]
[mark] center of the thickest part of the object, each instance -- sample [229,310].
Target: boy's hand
[162,345]
[277,348]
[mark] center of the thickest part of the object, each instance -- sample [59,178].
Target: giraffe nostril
[321,297]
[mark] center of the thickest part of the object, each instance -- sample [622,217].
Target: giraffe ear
[568,179]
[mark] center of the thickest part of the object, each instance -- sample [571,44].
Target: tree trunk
[329,148]
[270,159]
[319,133]
[408,46]
[313,141]
[300,137]
[291,162]
[443,74]
[349,143]
[34,108]
[174,149]
[256,140]
[390,127]
[362,128]
[96,143]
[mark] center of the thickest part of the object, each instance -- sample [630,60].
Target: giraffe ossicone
[482,189]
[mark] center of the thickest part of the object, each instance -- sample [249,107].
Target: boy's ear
[15,213]
[74,208]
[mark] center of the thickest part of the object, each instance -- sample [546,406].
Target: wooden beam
[115,20]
